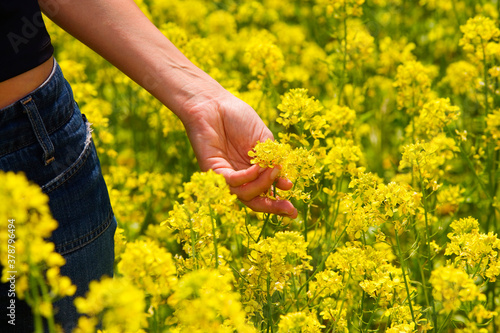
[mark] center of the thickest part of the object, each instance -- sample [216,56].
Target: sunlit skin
[220,127]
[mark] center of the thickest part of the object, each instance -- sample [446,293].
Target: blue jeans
[45,136]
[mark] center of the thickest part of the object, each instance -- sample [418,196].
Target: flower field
[386,115]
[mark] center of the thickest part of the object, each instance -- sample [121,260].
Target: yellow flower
[264,59]
[437,4]
[449,199]
[474,250]
[461,76]
[298,165]
[434,116]
[357,47]
[298,108]
[221,22]
[414,86]
[344,157]
[25,224]
[402,328]
[117,301]
[204,302]
[493,127]
[427,159]
[478,32]
[453,287]
[277,259]
[299,322]
[133,195]
[151,268]
[343,8]
[393,53]
[325,283]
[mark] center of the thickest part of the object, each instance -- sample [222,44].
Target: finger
[266,205]
[253,189]
[240,177]
[284,184]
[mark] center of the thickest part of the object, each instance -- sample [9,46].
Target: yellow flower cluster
[493,127]
[475,252]
[299,322]
[461,76]
[264,59]
[117,302]
[298,108]
[358,46]
[449,199]
[206,303]
[207,203]
[414,86]
[480,36]
[453,287]
[343,8]
[133,195]
[274,261]
[343,158]
[298,165]
[426,159]
[25,225]
[437,5]
[393,53]
[371,204]
[151,268]
[434,116]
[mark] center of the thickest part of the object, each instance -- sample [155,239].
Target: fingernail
[275,173]
[261,170]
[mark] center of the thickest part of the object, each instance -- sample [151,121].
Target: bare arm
[119,32]
[221,128]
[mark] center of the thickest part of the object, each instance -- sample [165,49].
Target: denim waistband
[52,102]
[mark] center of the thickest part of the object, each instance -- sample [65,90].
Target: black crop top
[24,41]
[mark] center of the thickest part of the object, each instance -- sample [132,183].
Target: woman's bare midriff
[21,85]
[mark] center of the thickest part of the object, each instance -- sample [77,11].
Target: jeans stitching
[53,129]
[38,127]
[86,239]
[69,172]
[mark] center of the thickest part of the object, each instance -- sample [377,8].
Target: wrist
[185,89]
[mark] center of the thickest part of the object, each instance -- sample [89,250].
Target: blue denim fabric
[45,136]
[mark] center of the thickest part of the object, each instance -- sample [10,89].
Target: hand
[222,131]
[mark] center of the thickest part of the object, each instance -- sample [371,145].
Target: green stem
[193,239]
[445,322]
[428,245]
[46,298]
[212,218]
[35,297]
[306,213]
[485,75]
[404,277]
[372,315]
[344,60]
[269,304]
[455,12]
[262,231]
[472,169]
[320,265]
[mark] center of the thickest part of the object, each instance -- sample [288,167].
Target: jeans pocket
[70,152]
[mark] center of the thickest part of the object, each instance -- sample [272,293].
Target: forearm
[119,31]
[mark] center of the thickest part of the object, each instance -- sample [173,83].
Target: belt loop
[39,128]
